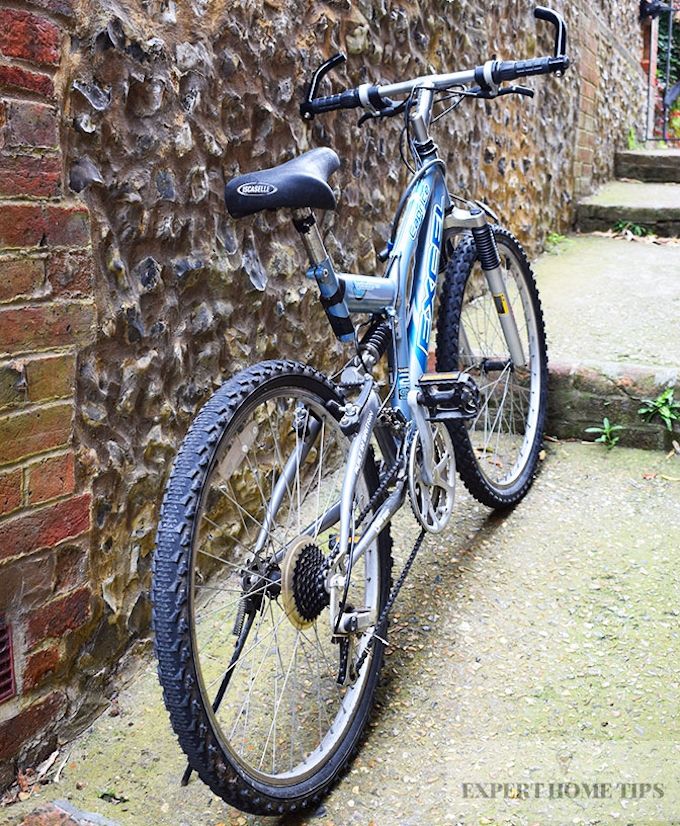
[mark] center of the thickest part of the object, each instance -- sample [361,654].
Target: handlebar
[377,99]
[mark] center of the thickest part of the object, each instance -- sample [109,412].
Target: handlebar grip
[513,69]
[343,100]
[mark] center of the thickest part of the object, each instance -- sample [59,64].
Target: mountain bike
[273,574]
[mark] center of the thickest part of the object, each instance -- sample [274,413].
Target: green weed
[607,433]
[663,406]
[638,230]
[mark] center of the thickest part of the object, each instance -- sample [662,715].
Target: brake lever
[389,111]
[517,90]
[487,94]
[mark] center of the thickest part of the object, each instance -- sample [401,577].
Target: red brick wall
[47,315]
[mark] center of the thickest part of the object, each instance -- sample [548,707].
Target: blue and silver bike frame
[405,294]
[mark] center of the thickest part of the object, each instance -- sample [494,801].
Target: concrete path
[538,649]
[611,300]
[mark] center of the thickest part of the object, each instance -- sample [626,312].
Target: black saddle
[302,182]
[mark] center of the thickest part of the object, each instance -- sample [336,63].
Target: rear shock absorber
[375,342]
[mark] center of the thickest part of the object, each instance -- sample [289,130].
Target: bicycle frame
[405,294]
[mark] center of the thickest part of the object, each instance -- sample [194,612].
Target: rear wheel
[497,452]
[243,634]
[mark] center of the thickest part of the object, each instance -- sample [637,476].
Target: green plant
[607,433]
[638,230]
[664,406]
[554,240]
[633,142]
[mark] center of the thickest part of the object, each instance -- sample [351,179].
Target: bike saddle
[302,182]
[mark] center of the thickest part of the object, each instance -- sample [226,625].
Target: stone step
[651,165]
[581,395]
[656,207]
[610,307]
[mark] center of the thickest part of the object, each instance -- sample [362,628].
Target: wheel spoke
[278,705]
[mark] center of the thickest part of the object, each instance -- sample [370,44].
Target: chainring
[432,505]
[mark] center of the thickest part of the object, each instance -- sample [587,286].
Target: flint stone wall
[168,100]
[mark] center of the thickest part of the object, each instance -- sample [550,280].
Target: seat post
[305,224]
[321,269]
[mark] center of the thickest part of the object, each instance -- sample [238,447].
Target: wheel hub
[303,590]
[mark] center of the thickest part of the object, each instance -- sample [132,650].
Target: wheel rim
[503,434]
[283,714]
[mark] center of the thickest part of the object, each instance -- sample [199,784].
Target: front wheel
[497,452]
[247,658]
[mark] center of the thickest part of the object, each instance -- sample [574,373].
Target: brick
[587,89]
[30,124]
[587,105]
[29,176]
[585,154]
[10,491]
[50,478]
[585,139]
[28,225]
[590,40]
[20,276]
[17,79]
[70,566]
[586,123]
[48,378]
[46,527]
[591,73]
[71,273]
[27,582]
[39,666]
[12,385]
[29,722]
[35,431]
[29,37]
[46,325]
[64,614]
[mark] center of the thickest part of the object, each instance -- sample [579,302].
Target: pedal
[448,396]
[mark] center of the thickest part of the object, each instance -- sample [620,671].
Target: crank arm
[425,434]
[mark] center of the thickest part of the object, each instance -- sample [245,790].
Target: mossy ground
[540,647]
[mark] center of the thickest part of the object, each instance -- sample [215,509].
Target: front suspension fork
[487,249]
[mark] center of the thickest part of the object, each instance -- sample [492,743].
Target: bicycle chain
[377,499]
[381,625]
